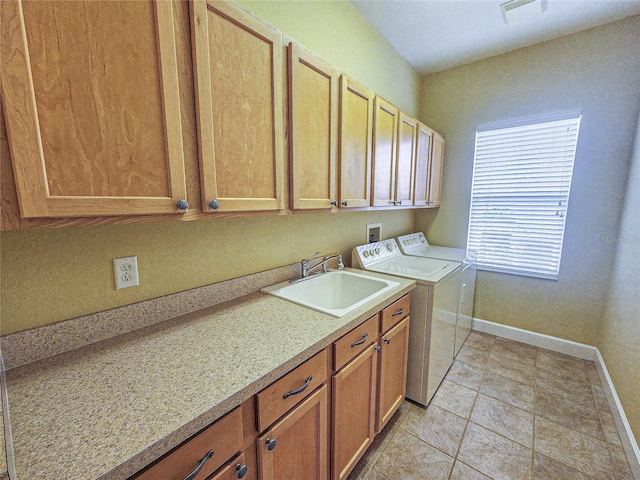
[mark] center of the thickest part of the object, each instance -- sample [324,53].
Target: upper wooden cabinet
[435,177]
[424,141]
[91,100]
[407,128]
[356,132]
[238,79]
[313,120]
[385,138]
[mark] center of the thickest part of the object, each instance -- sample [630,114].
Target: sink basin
[336,292]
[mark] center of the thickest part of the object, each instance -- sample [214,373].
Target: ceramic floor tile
[546,468]
[454,398]
[397,417]
[436,426]
[562,365]
[469,376]
[509,367]
[601,399]
[465,472]
[480,341]
[563,386]
[380,442]
[409,458]
[592,373]
[494,455]
[360,471]
[519,352]
[609,428]
[508,421]
[470,355]
[577,450]
[579,414]
[508,390]
[375,475]
[620,463]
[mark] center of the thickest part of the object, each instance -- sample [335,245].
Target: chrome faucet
[307,268]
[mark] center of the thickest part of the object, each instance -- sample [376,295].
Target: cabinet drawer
[224,438]
[354,342]
[285,393]
[394,313]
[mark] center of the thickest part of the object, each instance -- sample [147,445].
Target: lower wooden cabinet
[353,414]
[297,445]
[392,375]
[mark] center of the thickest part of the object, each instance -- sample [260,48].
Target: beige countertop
[108,409]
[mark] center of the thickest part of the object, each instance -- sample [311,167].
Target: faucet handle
[315,255]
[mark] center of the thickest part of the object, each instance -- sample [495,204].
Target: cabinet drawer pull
[360,342]
[300,390]
[241,471]
[387,341]
[195,473]
[271,443]
[398,312]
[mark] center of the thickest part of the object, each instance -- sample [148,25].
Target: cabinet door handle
[398,312]
[195,473]
[271,443]
[360,342]
[387,341]
[300,390]
[334,203]
[182,205]
[377,348]
[214,204]
[345,203]
[241,470]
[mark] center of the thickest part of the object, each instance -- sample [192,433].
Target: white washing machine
[434,306]
[416,244]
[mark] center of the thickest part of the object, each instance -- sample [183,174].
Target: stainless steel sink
[335,293]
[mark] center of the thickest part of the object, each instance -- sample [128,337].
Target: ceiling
[433,35]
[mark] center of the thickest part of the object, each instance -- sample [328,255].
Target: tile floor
[506,410]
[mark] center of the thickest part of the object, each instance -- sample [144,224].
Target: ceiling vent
[519,10]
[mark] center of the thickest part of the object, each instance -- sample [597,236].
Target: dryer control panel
[366,255]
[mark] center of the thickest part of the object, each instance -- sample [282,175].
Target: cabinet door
[385,131]
[296,446]
[392,381]
[356,132]
[424,136]
[313,120]
[407,128]
[91,99]
[238,79]
[435,180]
[353,411]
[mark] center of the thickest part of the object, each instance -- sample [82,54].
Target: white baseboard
[579,350]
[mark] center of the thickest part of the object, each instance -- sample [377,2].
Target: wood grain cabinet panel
[354,406]
[313,120]
[90,92]
[392,383]
[405,160]
[385,138]
[356,132]
[297,445]
[437,163]
[238,83]
[424,137]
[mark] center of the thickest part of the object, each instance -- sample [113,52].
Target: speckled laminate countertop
[106,410]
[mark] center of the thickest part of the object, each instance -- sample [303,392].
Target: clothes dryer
[434,304]
[416,244]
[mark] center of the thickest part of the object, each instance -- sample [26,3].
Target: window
[521,181]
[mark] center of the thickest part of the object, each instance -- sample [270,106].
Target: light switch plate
[125,272]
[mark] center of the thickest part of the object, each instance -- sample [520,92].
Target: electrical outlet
[374,232]
[125,272]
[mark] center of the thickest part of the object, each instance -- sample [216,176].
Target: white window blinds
[521,182]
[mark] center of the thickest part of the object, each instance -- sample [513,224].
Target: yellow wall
[337,33]
[56,274]
[597,71]
[620,340]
